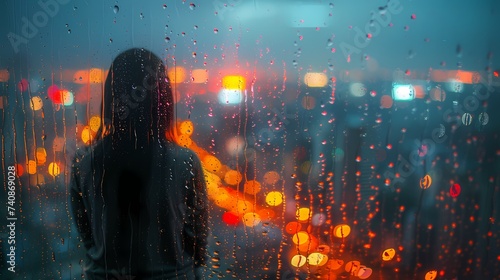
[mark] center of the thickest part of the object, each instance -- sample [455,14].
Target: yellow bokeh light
[271,177]
[211,163]
[315,79]
[232,177]
[244,206]
[317,259]
[300,238]
[388,254]
[212,181]
[31,167]
[252,187]
[92,75]
[298,260]
[54,169]
[186,127]
[184,140]
[234,82]
[274,198]
[86,135]
[223,199]
[251,219]
[36,103]
[303,214]
[341,231]
[95,123]
[176,74]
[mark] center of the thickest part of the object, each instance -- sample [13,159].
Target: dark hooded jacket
[139,200]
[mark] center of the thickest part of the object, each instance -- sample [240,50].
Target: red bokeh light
[230,218]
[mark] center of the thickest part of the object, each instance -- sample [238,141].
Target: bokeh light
[308,102]
[252,187]
[357,89]
[341,231]
[23,85]
[317,259]
[31,167]
[237,83]
[303,214]
[386,101]
[199,76]
[293,227]
[315,79]
[235,145]
[54,169]
[211,163]
[271,177]
[36,103]
[233,177]
[87,135]
[298,260]
[274,198]
[431,275]
[230,96]
[186,127]
[300,238]
[251,219]
[388,254]
[176,74]
[41,156]
[230,218]
[4,75]
[92,76]
[95,123]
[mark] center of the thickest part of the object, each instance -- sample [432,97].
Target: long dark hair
[138,105]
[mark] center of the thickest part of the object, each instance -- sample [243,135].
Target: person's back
[139,200]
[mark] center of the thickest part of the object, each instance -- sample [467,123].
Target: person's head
[138,102]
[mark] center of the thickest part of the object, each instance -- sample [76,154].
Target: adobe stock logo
[381,18]
[39,19]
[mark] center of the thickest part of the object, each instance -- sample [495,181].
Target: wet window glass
[233,139]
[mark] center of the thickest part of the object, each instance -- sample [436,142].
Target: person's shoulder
[84,152]
[180,152]
[80,154]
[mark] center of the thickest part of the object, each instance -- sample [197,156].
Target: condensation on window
[338,139]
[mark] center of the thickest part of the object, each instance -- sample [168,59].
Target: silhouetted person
[138,199]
